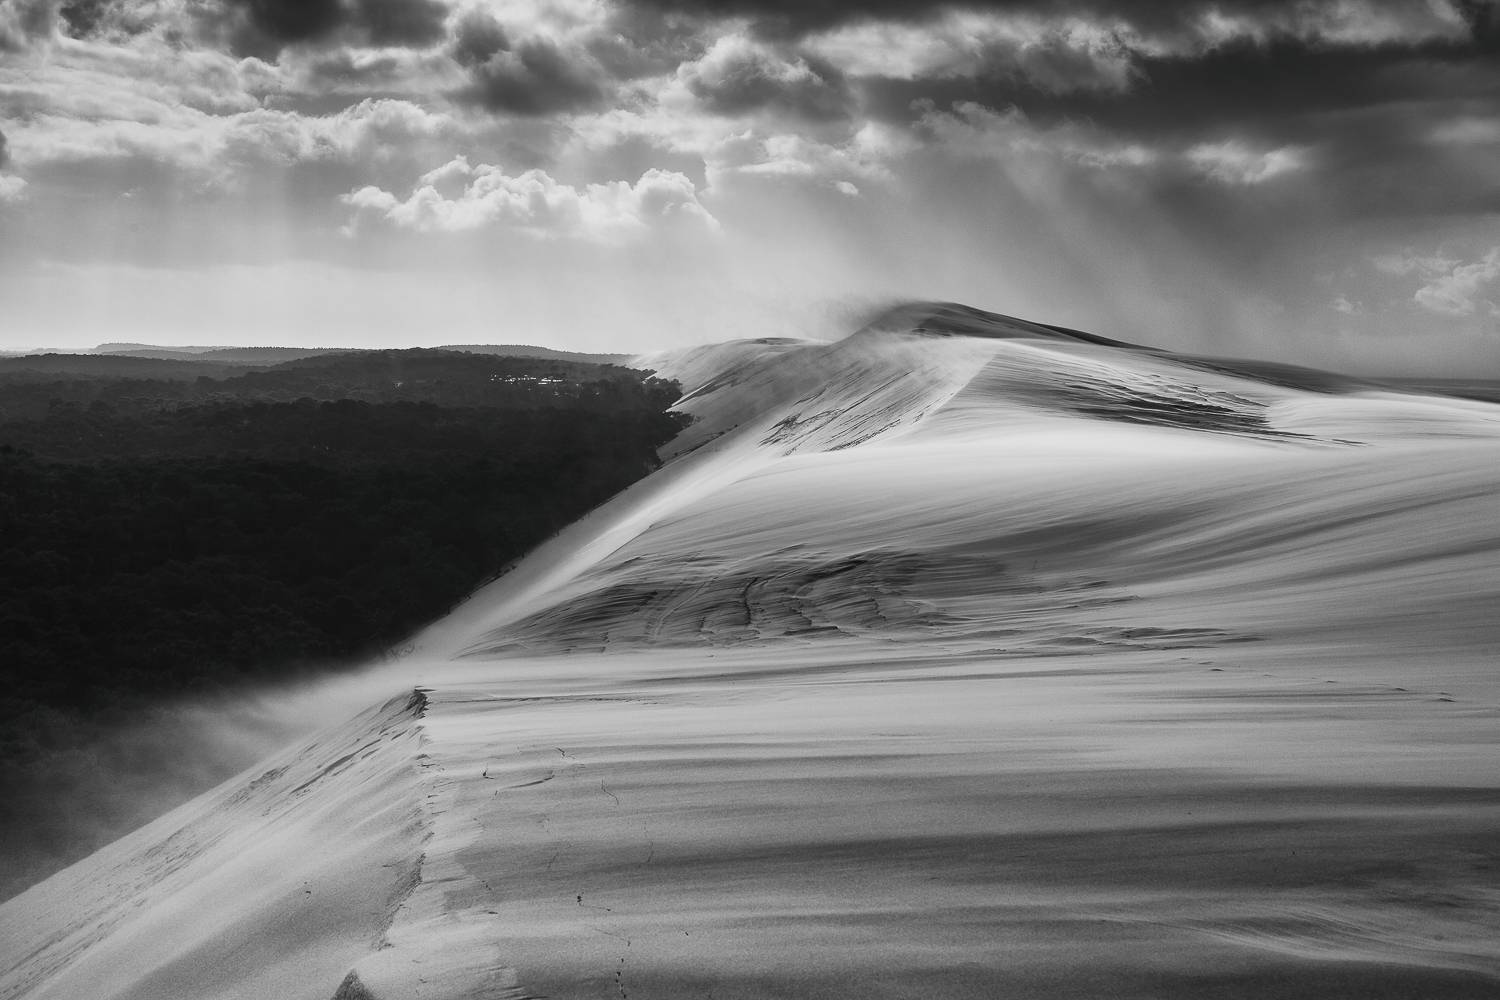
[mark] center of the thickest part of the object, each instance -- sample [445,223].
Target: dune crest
[963,656]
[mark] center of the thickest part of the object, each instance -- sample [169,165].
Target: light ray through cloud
[1218,176]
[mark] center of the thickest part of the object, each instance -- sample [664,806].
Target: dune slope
[963,656]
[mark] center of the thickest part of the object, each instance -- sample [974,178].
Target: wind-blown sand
[985,661]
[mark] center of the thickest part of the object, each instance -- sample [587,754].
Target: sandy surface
[968,666]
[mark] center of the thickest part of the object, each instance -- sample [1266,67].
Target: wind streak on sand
[963,657]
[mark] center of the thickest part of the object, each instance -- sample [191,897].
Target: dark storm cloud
[23,22]
[1483,17]
[534,77]
[799,17]
[105,18]
[1281,87]
[1362,102]
[265,27]
[82,18]
[283,22]
[1287,82]
[1365,124]
[641,43]
[477,38]
[1369,115]
[402,22]
[746,79]
[1171,68]
[4,152]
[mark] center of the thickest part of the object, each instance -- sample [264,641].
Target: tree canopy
[165,539]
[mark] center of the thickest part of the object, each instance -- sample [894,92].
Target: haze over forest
[191,532]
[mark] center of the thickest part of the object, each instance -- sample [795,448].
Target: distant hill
[545,353]
[276,355]
[144,361]
[114,366]
[256,356]
[142,349]
[415,362]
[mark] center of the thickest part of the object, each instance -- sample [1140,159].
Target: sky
[1314,182]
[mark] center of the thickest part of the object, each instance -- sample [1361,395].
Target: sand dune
[962,657]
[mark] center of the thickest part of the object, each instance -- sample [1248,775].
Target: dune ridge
[962,656]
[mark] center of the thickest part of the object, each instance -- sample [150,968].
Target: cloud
[478,37]
[1392,100]
[535,77]
[1361,23]
[1181,161]
[1053,55]
[1129,82]
[12,189]
[370,130]
[82,18]
[1198,22]
[264,27]
[120,20]
[1408,262]
[224,152]
[316,78]
[457,197]
[23,23]
[1233,162]
[4,151]
[752,154]
[1465,289]
[589,156]
[1466,130]
[564,57]
[349,71]
[409,23]
[1483,18]
[738,76]
[144,79]
[109,116]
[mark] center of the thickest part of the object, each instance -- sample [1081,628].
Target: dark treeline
[32,388]
[162,539]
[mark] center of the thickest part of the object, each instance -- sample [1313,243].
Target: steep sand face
[988,661]
[272,885]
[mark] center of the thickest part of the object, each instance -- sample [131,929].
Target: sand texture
[961,658]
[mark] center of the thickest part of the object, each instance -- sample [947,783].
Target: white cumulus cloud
[1236,163]
[1054,54]
[457,197]
[1466,289]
